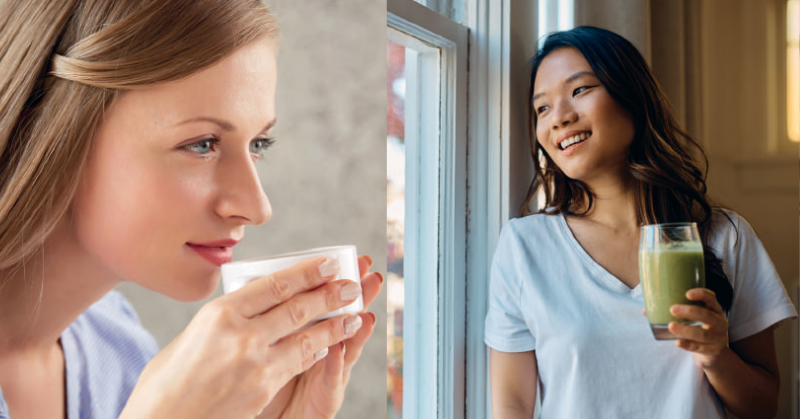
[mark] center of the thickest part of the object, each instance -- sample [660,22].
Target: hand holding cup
[242,349]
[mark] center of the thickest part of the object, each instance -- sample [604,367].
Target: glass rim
[670,225]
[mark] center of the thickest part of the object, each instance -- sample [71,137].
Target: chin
[197,288]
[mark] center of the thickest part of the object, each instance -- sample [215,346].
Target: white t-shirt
[595,354]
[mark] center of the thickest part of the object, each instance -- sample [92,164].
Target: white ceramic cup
[236,274]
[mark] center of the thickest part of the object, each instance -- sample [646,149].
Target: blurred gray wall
[326,174]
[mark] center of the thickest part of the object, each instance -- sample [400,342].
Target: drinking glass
[670,263]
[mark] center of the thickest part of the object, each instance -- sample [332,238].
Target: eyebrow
[568,80]
[225,125]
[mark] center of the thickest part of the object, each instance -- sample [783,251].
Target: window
[426,211]
[413,189]
[555,15]
[455,198]
[793,69]
[395,222]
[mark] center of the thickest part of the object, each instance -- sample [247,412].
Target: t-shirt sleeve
[505,328]
[759,297]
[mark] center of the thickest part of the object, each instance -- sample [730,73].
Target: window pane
[455,10]
[395,217]
[793,68]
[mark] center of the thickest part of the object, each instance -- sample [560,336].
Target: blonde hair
[62,62]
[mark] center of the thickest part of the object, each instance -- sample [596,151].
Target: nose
[564,114]
[241,197]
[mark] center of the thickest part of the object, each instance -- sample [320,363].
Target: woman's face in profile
[583,129]
[171,179]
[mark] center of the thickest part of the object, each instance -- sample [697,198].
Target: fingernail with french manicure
[349,291]
[351,324]
[321,354]
[329,268]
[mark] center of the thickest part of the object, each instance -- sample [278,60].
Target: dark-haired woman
[565,311]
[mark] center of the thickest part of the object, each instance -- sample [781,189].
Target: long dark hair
[668,184]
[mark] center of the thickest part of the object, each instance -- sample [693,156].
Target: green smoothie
[666,275]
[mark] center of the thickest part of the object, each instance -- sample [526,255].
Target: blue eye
[203,146]
[259,146]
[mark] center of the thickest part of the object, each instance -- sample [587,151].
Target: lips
[215,252]
[568,142]
[571,137]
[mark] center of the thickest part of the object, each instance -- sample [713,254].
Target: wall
[754,169]
[325,175]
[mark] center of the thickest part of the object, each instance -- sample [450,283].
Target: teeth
[574,139]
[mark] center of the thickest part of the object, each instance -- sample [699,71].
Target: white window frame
[474,205]
[489,167]
[434,318]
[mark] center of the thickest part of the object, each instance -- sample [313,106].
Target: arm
[744,375]
[513,378]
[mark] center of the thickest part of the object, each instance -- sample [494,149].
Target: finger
[697,313]
[291,315]
[706,296]
[309,362]
[295,350]
[364,263]
[283,396]
[356,344]
[644,312]
[264,293]
[688,345]
[371,284]
[327,379]
[694,333]
[334,367]
[354,347]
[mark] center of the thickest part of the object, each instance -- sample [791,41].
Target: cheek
[543,138]
[619,122]
[133,216]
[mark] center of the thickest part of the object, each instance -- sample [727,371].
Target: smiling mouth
[575,139]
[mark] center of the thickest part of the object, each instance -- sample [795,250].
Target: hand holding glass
[670,263]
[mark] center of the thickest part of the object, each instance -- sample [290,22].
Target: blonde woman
[129,131]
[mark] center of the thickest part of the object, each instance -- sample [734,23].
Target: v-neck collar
[71,373]
[600,272]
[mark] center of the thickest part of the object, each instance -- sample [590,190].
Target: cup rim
[293,254]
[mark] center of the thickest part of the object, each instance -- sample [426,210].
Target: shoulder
[105,350]
[532,224]
[536,234]
[728,230]
[115,305]
[759,296]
